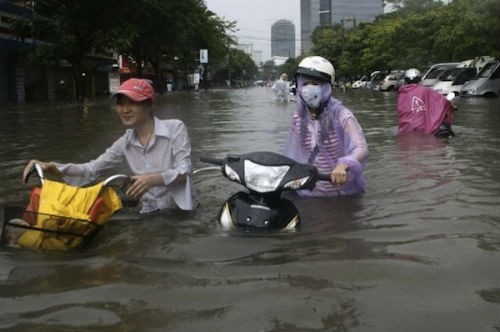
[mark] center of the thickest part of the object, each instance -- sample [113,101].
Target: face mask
[311,94]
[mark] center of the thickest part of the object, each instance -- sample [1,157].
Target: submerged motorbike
[266,175]
[445,130]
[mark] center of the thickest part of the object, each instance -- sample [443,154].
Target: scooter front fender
[247,210]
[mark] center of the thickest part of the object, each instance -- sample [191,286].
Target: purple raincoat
[333,138]
[422,109]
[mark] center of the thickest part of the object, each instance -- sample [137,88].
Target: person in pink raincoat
[422,109]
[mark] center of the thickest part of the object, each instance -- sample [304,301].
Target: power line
[268,39]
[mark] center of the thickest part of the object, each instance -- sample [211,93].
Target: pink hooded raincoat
[422,109]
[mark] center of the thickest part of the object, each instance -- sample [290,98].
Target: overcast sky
[255,17]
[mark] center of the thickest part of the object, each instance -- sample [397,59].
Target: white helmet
[413,75]
[318,67]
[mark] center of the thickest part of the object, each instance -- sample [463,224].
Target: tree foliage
[150,31]
[289,68]
[420,33]
[171,29]
[238,67]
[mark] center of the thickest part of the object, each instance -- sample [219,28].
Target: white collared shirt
[168,153]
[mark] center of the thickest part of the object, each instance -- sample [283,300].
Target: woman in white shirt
[158,153]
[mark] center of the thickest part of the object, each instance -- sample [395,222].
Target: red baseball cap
[137,89]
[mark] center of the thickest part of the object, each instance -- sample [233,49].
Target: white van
[452,80]
[431,76]
[486,83]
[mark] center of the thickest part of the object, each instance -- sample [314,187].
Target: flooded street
[419,251]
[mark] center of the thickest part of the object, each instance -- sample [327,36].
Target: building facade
[22,80]
[347,13]
[283,39]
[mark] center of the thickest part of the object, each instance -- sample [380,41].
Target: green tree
[168,30]
[329,41]
[355,45]
[149,31]
[269,69]
[289,68]
[417,35]
[238,67]
[468,28]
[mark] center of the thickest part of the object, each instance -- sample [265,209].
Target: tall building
[283,39]
[347,13]
[309,19]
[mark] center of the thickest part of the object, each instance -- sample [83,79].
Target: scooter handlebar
[324,177]
[213,161]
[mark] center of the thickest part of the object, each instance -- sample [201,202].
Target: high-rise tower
[283,39]
[347,13]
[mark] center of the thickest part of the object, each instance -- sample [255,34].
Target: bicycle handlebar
[115,177]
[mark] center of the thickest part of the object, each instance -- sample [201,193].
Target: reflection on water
[419,251]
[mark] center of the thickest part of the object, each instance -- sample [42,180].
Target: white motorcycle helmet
[317,67]
[413,75]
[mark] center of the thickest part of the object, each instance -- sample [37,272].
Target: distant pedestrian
[281,89]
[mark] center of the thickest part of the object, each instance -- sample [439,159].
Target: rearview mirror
[450,96]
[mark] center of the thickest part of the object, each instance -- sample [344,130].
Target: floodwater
[419,251]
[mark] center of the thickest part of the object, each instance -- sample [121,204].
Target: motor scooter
[445,130]
[266,175]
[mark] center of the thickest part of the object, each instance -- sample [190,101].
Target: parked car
[452,80]
[393,81]
[431,76]
[361,83]
[375,79]
[486,83]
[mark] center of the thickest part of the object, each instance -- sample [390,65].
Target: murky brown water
[419,251]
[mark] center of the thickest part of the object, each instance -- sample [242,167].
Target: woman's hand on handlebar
[339,174]
[140,184]
[46,167]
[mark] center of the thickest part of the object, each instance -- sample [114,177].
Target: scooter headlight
[297,183]
[263,178]
[231,174]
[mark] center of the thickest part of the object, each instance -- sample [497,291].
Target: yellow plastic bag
[67,215]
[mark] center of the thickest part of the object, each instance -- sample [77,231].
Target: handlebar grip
[213,161]
[36,168]
[324,177]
